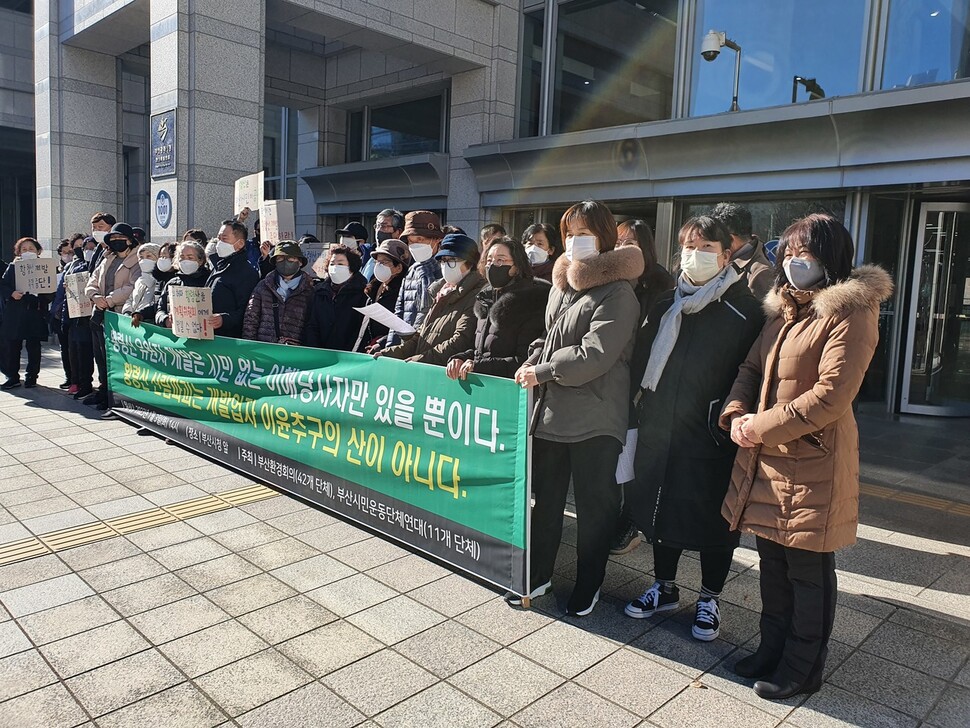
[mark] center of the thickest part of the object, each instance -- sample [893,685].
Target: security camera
[711,47]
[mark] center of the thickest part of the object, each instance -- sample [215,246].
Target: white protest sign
[190,307]
[276,221]
[78,305]
[36,275]
[249,192]
[316,255]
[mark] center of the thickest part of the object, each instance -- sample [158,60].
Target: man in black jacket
[232,281]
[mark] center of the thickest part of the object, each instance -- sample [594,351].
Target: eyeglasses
[626,241]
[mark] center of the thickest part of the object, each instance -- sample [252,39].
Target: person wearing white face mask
[687,354]
[101,224]
[333,323]
[795,484]
[191,270]
[389,268]
[232,281]
[143,294]
[542,246]
[449,327]
[24,321]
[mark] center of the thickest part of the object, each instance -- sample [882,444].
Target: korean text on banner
[36,275]
[190,308]
[249,192]
[78,305]
[276,221]
[438,464]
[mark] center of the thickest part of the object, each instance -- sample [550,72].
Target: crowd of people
[728,385]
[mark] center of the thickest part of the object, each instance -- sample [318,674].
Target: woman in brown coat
[795,483]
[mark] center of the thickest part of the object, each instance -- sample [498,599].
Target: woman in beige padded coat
[795,483]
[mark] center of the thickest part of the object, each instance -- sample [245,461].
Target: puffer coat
[449,326]
[260,322]
[800,486]
[683,459]
[583,362]
[415,299]
[332,322]
[508,323]
[232,283]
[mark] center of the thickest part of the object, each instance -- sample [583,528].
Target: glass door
[936,378]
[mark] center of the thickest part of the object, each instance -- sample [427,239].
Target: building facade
[510,110]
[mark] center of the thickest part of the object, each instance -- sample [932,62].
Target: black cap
[358,231]
[457,246]
[139,234]
[123,228]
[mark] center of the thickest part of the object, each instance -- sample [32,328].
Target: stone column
[77,121]
[311,127]
[207,66]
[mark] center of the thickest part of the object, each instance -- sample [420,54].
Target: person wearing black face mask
[278,309]
[509,311]
[109,287]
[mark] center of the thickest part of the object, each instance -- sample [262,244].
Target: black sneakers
[10,384]
[653,600]
[626,539]
[707,620]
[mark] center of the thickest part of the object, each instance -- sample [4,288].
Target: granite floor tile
[46,507]
[97,554]
[220,521]
[311,705]
[68,619]
[12,639]
[122,573]
[287,619]
[575,707]
[101,495]
[30,489]
[918,650]
[148,594]
[178,619]
[852,626]
[176,494]
[331,538]
[952,710]
[895,686]
[252,681]
[250,594]
[378,681]
[564,649]
[183,706]
[500,622]
[84,483]
[94,648]
[329,648]
[22,672]
[249,536]
[447,648]
[278,553]
[218,572]
[305,519]
[440,706]
[50,707]
[930,623]
[58,521]
[31,571]
[121,507]
[143,486]
[123,682]
[670,644]
[632,681]
[353,594]
[13,532]
[408,573]
[452,595]
[212,648]
[44,595]
[396,619]
[506,682]
[699,706]
[832,707]
[368,553]
[312,573]
[189,553]
[152,539]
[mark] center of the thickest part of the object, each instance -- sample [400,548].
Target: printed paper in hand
[36,275]
[190,307]
[381,315]
[276,221]
[249,192]
[316,256]
[78,305]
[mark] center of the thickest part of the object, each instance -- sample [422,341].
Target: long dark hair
[552,235]
[519,258]
[597,218]
[644,235]
[826,239]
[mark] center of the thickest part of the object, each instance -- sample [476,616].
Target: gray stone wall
[16,70]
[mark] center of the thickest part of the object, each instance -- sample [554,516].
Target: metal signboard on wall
[163,144]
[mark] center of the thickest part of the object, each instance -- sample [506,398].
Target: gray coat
[583,363]
[756,270]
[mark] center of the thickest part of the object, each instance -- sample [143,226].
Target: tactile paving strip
[34,546]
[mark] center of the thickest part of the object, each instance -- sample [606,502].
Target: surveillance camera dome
[710,55]
[711,46]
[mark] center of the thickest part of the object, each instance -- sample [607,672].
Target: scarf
[285,288]
[688,299]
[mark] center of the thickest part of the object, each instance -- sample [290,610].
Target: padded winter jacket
[260,322]
[415,297]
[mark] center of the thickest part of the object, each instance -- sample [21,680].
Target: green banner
[438,464]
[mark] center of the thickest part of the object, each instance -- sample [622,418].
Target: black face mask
[117,246]
[498,276]
[287,268]
[79,253]
[382,236]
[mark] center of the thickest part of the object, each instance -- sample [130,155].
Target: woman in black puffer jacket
[509,311]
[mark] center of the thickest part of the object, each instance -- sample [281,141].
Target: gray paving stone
[440,706]
[148,594]
[312,573]
[953,709]
[213,647]
[86,482]
[68,619]
[58,521]
[287,619]
[183,706]
[31,571]
[305,519]
[963,678]
[378,681]
[123,682]
[721,678]
[22,672]
[44,595]
[96,554]
[13,532]
[330,538]
[170,534]
[564,649]
[122,573]
[917,650]
[12,639]
[121,507]
[222,521]
[143,486]
[250,594]
[178,619]
[930,623]
[218,572]
[246,537]
[252,681]
[832,707]
[189,553]
[447,648]
[500,622]
[672,645]
[506,682]
[452,595]
[329,648]
[353,594]
[104,494]
[46,507]
[632,681]
[176,494]
[852,626]
[408,573]
[575,707]
[896,686]
[395,620]
[700,706]
[368,553]
[48,707]
[94,648]
[311,705]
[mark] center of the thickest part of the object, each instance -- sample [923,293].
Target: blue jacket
[232,284]
[414,300]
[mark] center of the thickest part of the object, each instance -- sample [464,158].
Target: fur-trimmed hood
[866,287]
[514,305]
[619,264]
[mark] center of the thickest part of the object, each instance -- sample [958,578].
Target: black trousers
[798,595]
[65,354]
[715,565]
[100,355]
[82,357]
[592,466]
[11,364]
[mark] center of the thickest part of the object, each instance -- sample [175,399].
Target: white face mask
[65,258]
[88,256]
[28,255]
[224,250]
[147,265]
[580,247]
[339,274]
[537,255]
[802,273]
[452,272]
[164,265]
[699,265]
[188,267]
[420,252]
[350,242]
[383,273]
[99,235]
